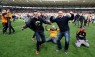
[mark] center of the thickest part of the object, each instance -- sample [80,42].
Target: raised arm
[44,21]
[72,16]
[52,19]
[4,14]
[46,28]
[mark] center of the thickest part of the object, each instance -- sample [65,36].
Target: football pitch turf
[20,44]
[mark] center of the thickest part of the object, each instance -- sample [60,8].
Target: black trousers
[85,22]
[5,26]
[81,23]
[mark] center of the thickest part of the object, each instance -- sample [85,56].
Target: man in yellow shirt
[53,34]
[4,21]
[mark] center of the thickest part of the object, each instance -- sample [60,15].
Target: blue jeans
[40,39]
[77,22]
[92,20]
[10,27]
[66,34]
[54,40]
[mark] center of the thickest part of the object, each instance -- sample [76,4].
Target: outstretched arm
[27,25]
[24,27]
[44,21]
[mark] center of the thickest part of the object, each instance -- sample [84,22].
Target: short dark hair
[35,11]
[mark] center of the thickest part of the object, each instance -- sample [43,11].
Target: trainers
[37,52]
[57,50]
[40,46]
[14,31]
[66,52]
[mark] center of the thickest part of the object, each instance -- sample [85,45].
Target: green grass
[20,44]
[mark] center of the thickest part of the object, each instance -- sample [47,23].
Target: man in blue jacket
[62,22]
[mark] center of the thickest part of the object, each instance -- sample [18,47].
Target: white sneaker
[66,52]
[57,50]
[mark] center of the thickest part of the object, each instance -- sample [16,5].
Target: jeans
[40,39]
[66,34]
[14,19]
[54,40]
[77,22]
[92,20]
[81,23]
[10,27]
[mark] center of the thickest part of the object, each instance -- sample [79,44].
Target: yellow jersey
[9,15]
[53,33]
[4,19]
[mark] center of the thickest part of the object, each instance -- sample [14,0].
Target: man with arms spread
[62,22]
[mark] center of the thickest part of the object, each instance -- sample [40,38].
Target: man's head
[4,11]
[39,14]
[8,10]
[35,14]
[42,13]
[53,27]
[60,14]
[82,29]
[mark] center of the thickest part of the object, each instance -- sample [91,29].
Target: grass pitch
[20,44]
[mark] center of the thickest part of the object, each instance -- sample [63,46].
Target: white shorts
[80,42]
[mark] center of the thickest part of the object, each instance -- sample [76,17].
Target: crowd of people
[35,22]
[84,19]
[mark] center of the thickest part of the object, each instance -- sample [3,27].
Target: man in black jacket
[76,19]
[36,24]
[81,20]
[62,22]
[81,38]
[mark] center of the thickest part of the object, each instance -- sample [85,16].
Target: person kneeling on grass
[53,34]
[81,38]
